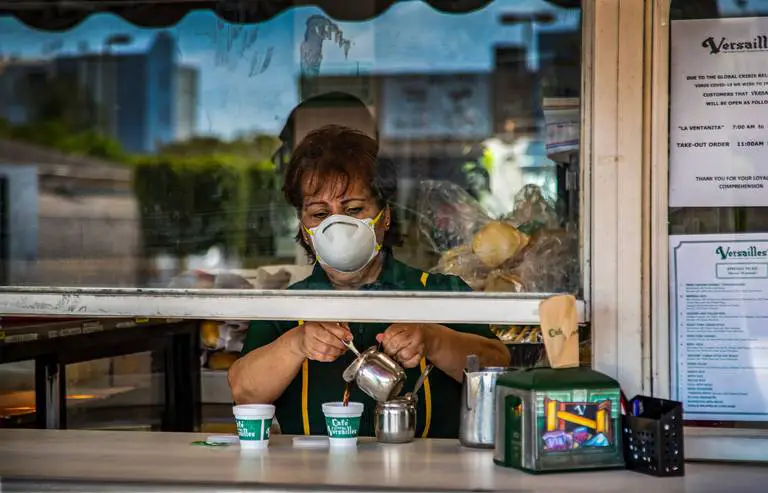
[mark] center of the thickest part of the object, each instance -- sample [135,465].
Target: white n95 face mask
[344,243]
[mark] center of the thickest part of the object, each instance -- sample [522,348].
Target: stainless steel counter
[83,461]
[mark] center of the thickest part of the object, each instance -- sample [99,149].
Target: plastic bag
[533,211]
[540,257]
[279,279]
[500,282]
[462,262]
[549,264]
[200,279]
[448,216]
[478,263]
[498,242]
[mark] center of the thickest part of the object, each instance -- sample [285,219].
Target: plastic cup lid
[311,442]
[214,439]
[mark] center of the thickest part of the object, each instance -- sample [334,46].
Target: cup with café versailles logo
[343,422]
[253,424]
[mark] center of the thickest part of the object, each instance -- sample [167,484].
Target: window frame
[610,199]
[710,444]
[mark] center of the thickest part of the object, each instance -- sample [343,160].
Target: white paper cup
[253,424]
[342,422]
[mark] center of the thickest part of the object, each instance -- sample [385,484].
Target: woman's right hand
[321,341]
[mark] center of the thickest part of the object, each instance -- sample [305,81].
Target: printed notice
[718,153]
[719,326]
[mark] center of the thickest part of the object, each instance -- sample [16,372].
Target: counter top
[144,461]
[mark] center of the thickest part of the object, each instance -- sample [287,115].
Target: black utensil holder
[653,437]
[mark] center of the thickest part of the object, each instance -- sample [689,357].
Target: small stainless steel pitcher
[376,374]
[478,410]
[395,420]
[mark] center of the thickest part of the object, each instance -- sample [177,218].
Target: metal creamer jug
[376,374]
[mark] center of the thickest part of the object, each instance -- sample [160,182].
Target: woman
[343,194]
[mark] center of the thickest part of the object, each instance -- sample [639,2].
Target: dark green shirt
[324,380]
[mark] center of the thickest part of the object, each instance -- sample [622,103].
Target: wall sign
[719,113]
[719,325]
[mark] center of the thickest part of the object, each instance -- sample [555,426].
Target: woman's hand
[321,341]
[446,348]
[406,343]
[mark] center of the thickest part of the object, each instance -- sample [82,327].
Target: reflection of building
[18,80]
[417,114]
[483,131]
[132,87]
[516,101]
[18,218]
[132,90]
[433,124]
[187,90]
[560,55]
[67,220]
[435,107]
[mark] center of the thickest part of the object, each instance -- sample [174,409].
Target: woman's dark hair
[338,154]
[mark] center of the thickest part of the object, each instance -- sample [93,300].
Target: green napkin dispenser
[550,420]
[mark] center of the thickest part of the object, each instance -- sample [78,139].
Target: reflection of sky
[729,8]
[236,96]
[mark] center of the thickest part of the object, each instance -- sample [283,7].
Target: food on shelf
[518,334]
[209,334]
[221,360]
[498,242]
[585,353]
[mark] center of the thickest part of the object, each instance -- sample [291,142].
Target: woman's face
[331,198]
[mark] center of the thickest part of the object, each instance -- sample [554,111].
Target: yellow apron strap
[427,388]
[427,400]
[305,392]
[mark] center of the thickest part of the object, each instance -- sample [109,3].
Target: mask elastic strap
[373,223]
[310,233]
[378,216]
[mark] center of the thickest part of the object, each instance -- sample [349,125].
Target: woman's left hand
[406,343]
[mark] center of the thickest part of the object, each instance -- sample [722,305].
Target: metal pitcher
[376,374]
[395,420]
[478,410]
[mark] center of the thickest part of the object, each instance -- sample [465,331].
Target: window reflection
[137,157]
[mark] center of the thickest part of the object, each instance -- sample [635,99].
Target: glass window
[120,393]
[157,157]
[718,215]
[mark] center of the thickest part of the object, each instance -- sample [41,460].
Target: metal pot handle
[472,365]
[467,394]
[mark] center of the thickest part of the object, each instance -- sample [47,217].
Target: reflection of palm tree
[319,29]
